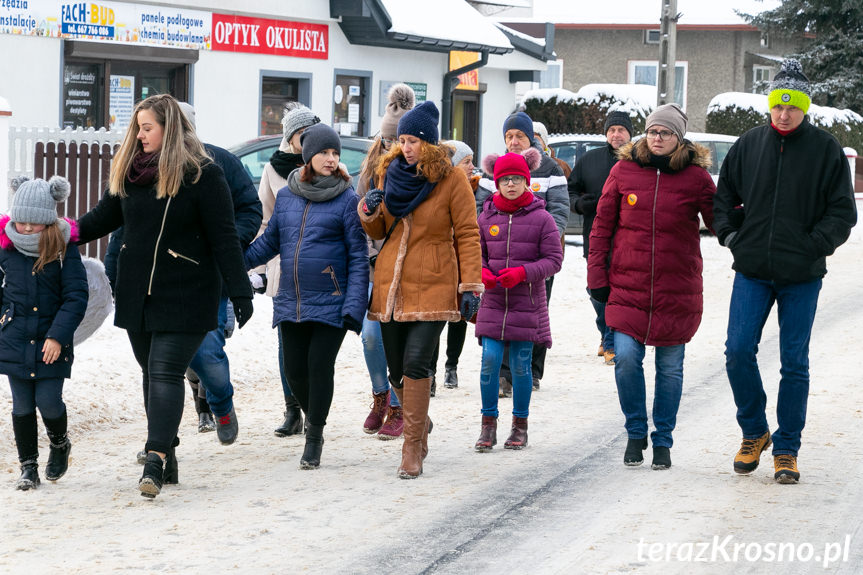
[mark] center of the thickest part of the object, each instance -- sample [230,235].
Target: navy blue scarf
[403,189]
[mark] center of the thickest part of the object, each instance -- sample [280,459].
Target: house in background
[717,51]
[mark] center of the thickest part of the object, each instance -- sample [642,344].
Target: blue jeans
[604,331]
[520,355]
[629,374]
[376,359]
[211,365]
[46,394]
[751,300]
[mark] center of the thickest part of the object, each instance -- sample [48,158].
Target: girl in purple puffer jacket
[520,248]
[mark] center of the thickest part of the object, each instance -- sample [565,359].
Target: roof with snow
[438,26]
[643,13]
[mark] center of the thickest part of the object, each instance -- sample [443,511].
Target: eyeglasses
[387,142]
[512,179]
[659,134]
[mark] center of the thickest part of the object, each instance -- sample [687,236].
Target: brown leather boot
[518,434]
[415,412]
[487,435]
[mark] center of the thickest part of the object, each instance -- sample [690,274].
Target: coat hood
[699,155]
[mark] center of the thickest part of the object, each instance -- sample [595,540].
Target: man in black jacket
[783,204]
[585,186]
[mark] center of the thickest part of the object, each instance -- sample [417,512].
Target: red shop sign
[262,36]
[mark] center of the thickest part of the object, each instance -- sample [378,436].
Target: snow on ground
[566,504]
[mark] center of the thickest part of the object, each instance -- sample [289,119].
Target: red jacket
[647,219]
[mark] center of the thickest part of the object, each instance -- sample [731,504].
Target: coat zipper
[297,256]
[332,272]
[179,255]
[506,290]
[156,250]
[652,256]
[773,212]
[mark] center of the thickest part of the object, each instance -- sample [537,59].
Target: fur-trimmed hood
[699,155]
[531,155]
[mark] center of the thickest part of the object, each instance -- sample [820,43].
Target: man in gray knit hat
[784,202]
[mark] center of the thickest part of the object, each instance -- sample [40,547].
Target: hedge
[577,116]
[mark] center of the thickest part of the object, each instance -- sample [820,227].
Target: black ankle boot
[58,458]
[293,424]
[314,444]
[661,458]
[150,484]
[171,475]
[633,455]
[29,475]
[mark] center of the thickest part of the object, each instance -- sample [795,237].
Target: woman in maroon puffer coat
[520,249]
[645,261]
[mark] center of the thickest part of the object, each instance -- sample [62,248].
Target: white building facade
[76,64]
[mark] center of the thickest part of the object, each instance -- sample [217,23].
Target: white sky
[645,11]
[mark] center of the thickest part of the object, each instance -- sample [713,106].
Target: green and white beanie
[790,87]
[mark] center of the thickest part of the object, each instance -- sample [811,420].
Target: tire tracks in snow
[546,520]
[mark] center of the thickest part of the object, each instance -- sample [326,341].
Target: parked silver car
[255,154]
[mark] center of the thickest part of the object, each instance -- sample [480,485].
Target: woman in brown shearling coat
[423,204]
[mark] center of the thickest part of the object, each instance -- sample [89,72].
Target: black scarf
[404,190]
[285,163]
[144,169]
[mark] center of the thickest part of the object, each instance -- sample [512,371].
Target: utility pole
[667,53]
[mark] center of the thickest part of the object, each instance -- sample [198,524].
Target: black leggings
[455,336]
[164,357]
[309,351]
[409,347]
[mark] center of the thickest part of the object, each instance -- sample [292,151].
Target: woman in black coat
[180,236]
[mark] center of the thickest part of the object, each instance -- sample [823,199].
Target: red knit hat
[511,165]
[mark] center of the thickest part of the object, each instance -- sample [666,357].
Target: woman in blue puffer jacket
[324,276]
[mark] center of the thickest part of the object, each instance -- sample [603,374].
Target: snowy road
[564,505]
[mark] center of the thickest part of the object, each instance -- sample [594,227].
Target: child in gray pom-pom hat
[44,298]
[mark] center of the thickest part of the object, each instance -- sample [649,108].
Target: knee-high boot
[58,458]
[415,394]
[399,392]
[27,442]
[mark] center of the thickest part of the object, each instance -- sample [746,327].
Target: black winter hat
[421,122]
[317,138]
[617,118]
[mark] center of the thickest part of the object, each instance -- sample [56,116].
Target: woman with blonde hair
[180,237]
[422,205]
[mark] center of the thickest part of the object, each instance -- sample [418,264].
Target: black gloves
[372,200]
[242,310]
[350,323]
[469,304]
[601,294]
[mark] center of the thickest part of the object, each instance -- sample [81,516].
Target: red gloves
[511,277]
[489,280]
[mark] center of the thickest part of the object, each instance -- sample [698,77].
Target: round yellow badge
[494,230]
[534,187]
[631,199]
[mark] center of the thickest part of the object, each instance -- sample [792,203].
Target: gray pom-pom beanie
[35,201]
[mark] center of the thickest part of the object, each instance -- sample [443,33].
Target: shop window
[350,104]
[82,96]
[275,93]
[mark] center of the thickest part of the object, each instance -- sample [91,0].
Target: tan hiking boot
[786,469]
[746,460]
